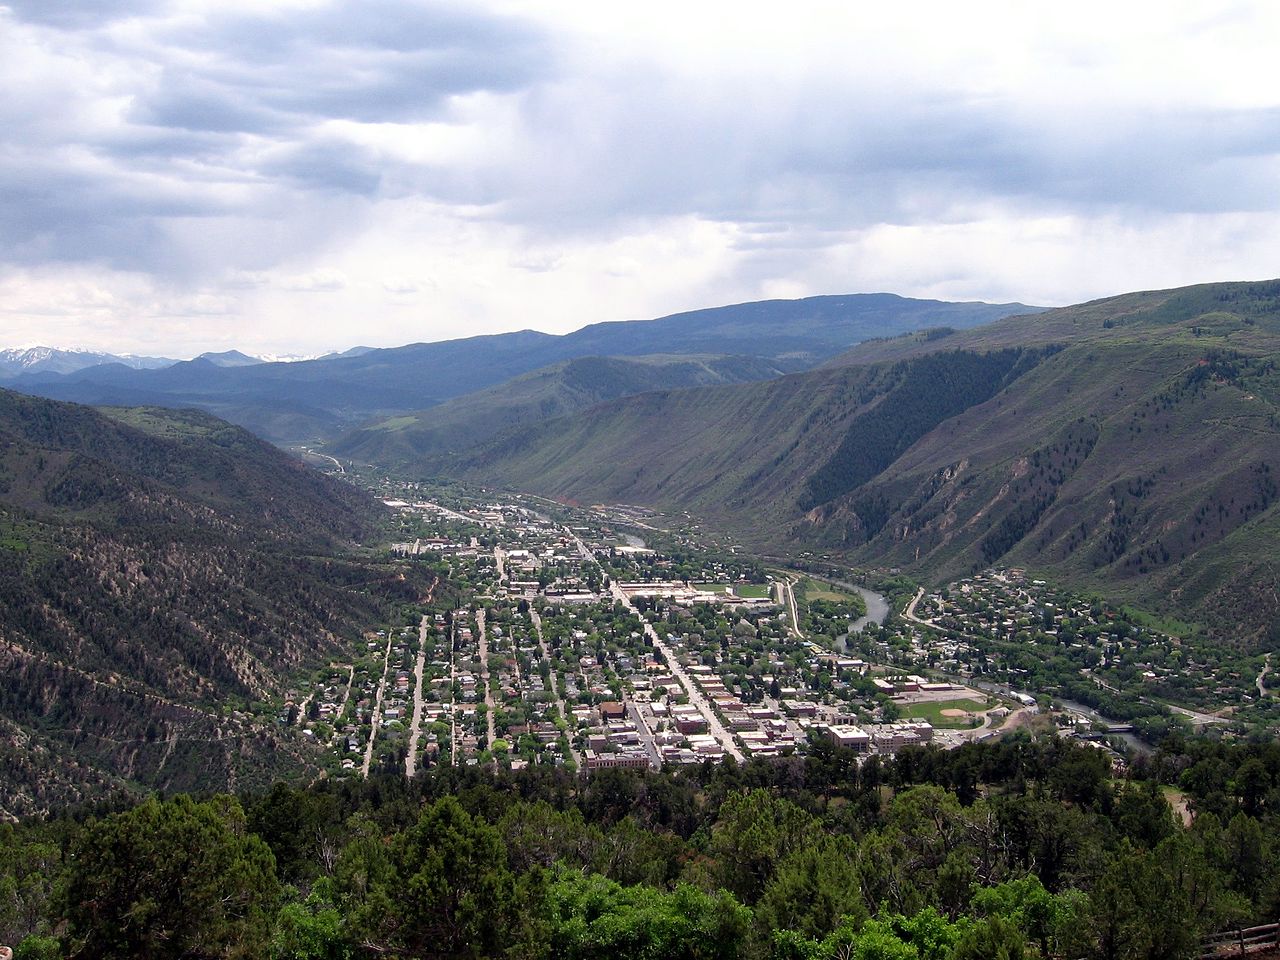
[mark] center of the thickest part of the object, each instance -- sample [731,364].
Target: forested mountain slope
[153,566]
[1130,445]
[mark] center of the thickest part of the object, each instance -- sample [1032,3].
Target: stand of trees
[1015,849]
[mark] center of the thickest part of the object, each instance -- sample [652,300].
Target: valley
[188,606]
[613,637]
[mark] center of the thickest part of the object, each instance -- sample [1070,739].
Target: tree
[311,930]
[591,917]
[754,832]
[172,879]
[1053,921]
[27,869]
[992,939]
[813,889]
[442,889]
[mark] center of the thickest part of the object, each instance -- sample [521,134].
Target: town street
[415,730]
[714,726]
[376,720]
[484,674]
[555,683]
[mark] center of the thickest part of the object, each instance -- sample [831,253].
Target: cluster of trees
[924,392]
[1020,849]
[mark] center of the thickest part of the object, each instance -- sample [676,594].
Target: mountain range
[17,361]
[325,397]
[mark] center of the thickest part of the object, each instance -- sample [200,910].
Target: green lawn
[932,711]
[753,590]
[1165,624]
[813,590]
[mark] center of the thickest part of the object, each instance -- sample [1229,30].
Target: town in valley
[598,638]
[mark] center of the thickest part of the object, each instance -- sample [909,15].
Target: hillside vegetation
[553,391]
[153,566]
[1021,849]
[1129,445]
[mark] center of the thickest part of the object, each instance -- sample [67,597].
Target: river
[1134,742]
[877,610]
[877,606]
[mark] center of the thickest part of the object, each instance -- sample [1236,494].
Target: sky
[299,176]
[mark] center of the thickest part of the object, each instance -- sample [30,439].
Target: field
[933,711]
[813,590]
[1164,624]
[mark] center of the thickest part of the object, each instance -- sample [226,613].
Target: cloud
[79,14]
[489,166]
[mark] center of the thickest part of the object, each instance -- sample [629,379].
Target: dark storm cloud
[233,114]
[327,167]
[860,161]
[379,61]
[221,115]
[77,14]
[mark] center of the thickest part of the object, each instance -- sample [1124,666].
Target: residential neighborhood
[570,640]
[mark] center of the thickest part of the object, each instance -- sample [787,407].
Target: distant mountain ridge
[324,397]
[229,358]
[17,361]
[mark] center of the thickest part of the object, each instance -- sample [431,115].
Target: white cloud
[305,174]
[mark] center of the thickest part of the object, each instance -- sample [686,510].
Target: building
[850,737]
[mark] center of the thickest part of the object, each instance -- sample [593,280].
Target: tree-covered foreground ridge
[1023,847]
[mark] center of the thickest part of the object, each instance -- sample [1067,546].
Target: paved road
[453,700]
[411,760]
[458,516]
[1195,716]
[910,612]
[346,695]
[789,595]
[484,675]
[376,720]
[696,698]
[646,735]
[325,456]
[555,684]
[716,728]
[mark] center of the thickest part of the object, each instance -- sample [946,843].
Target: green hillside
[154,564]
[1128,445]
[552,391]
